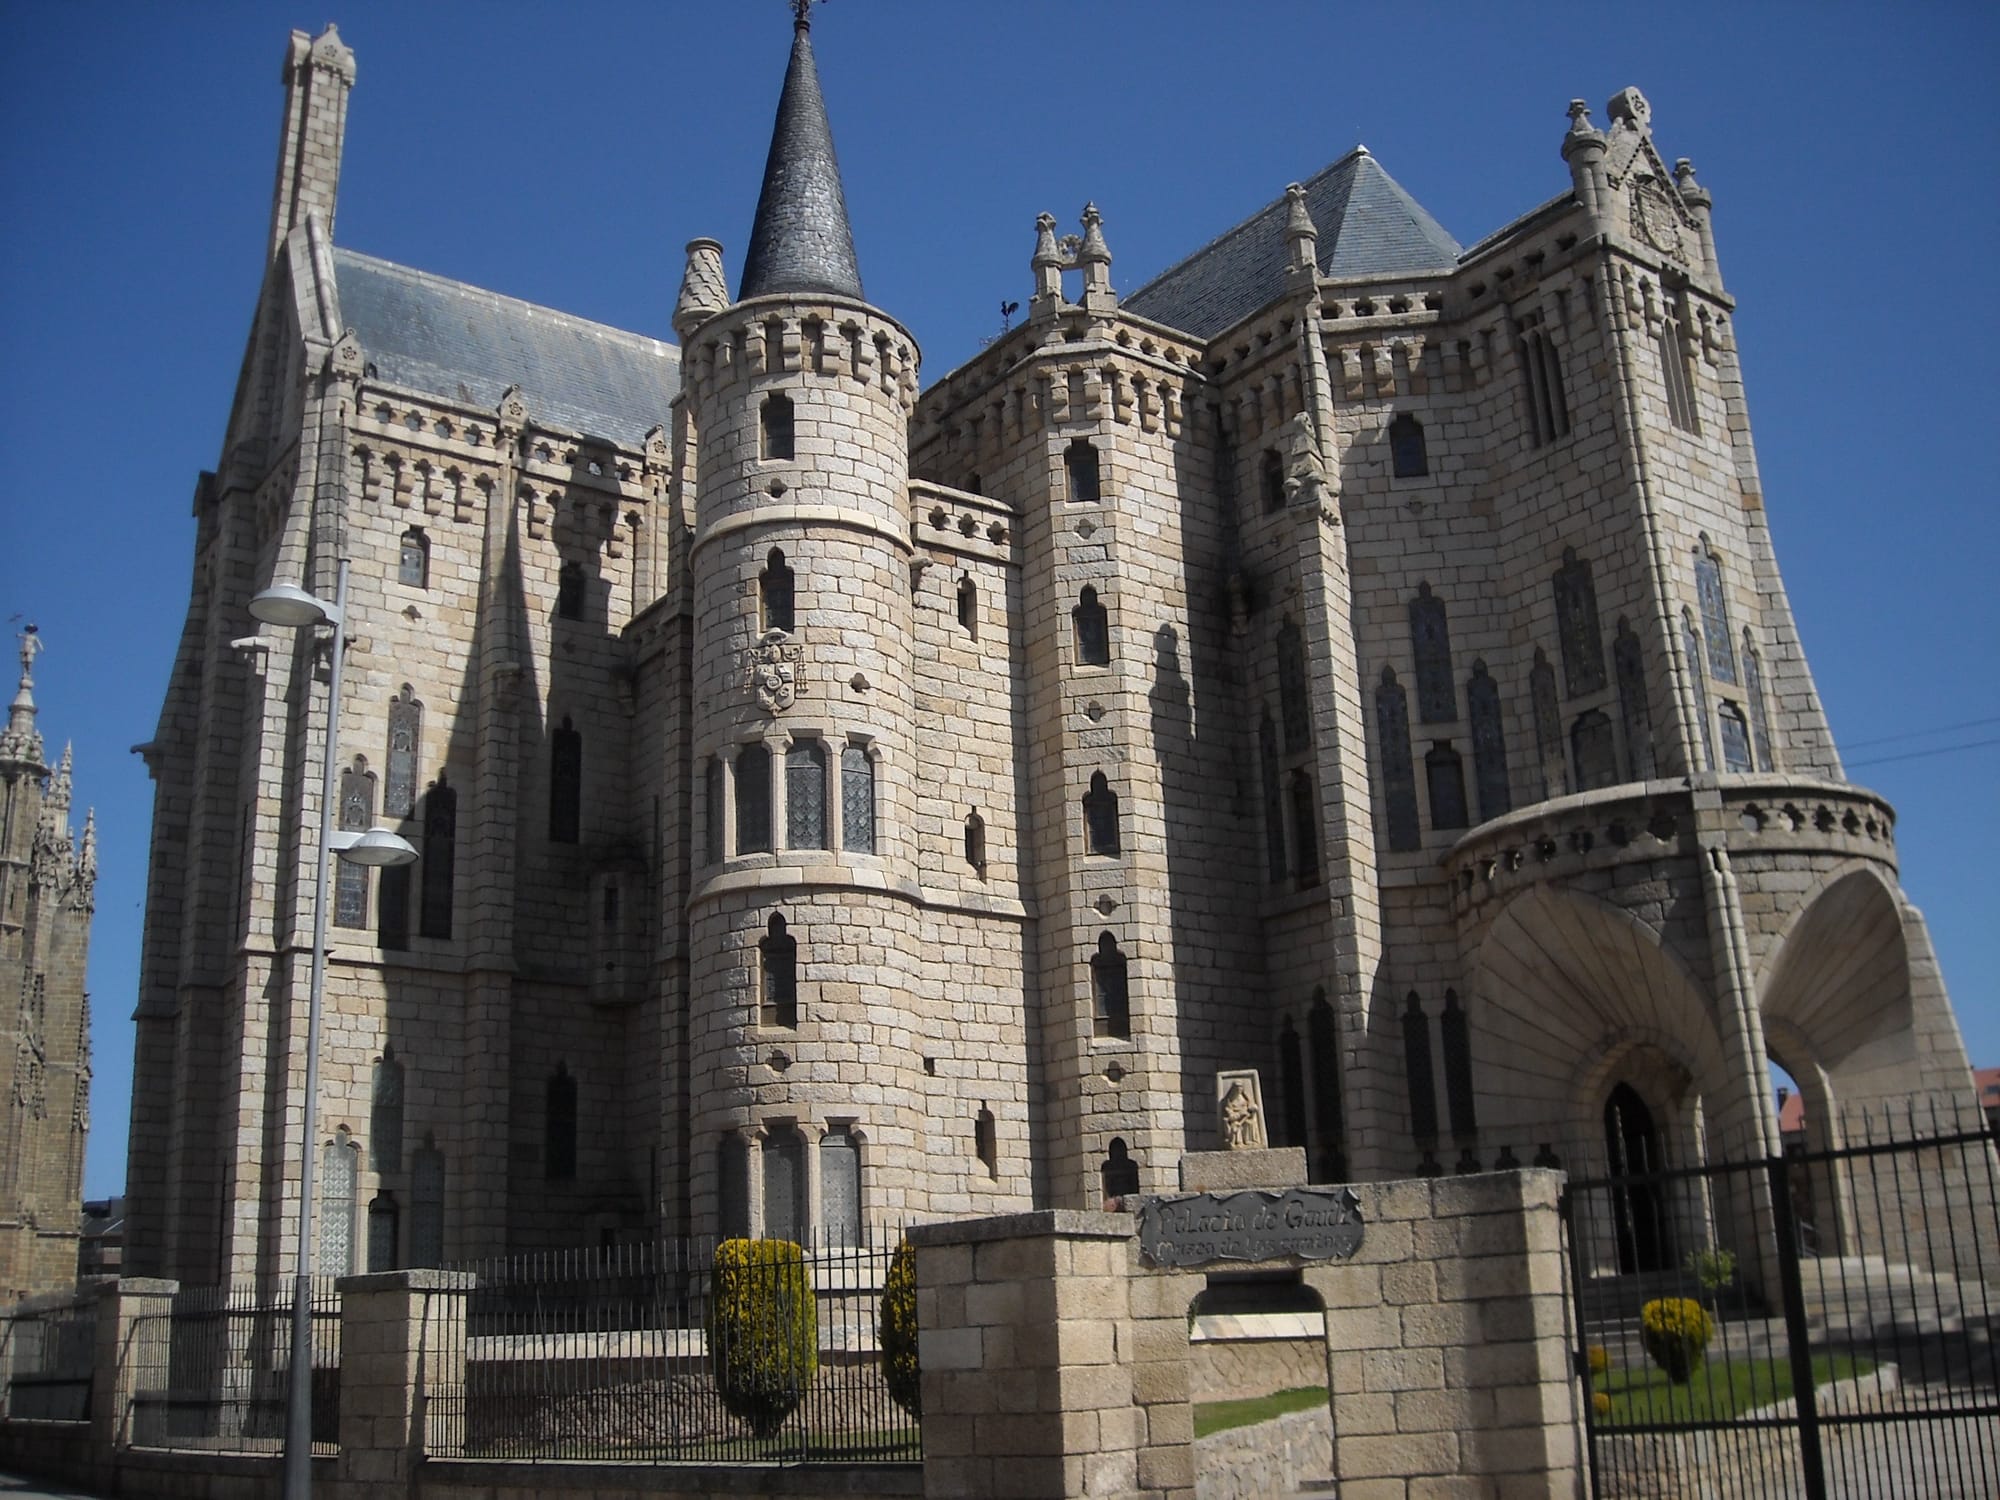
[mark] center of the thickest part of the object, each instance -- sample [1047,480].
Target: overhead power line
[1921,734]
[1883,760]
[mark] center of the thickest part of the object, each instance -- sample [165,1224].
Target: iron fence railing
[612,1354]
[1859,1359]
[48,1354]
[214,1372]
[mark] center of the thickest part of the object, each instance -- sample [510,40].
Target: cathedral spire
[800,241]
[21,744]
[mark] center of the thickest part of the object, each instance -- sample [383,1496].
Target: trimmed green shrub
[898,1331]
[1676,1331]
[1715,1269]
[763,1330]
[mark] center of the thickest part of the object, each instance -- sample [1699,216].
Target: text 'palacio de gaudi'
[1351,655]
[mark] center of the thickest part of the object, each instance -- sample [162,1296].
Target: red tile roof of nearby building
[1792,1107]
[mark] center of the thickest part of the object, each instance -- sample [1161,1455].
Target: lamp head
[378,848]
[289,605]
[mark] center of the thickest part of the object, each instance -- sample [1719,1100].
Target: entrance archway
[1632,1146]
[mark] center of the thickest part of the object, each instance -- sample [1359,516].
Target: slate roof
[467,344]
[800,240]
[1368,226]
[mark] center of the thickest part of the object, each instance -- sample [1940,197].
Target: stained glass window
[778,976]
[427,1207]
[1698,672]
[1305,830]
[1714,612]
[1489,745]
[355,815]
[775,593]
[753,800]
[1100,816]
[565,783]
[1093,630]
[840,1186]
[440,859]
[1735,739]
[559,1126]
[1548,726]
[805,795]
[399,785]
[339,1174]
[1274,807]
[1293,700]
[1399,776]
[857,799]
[1430,640]
[1633,706]
[385,1112]
[1407,456]
[1577,627]
[1444,776]
[1753,687]
[1595,748]
[1111,1003]
[785,1184]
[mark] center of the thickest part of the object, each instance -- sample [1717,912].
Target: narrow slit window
[968,606]
[392,909]
[785,1184]
[399,787]
[975,844]
[1489,744]
[1093,630]
[385,1112]
[1679,378]
[776,422]
[1444,774]
[559,1127]
[1100,815]
[1633,708]
[778,982]
[565,783]
[1714,612]
[1698,674]
[1081,466]
[717,775]
[857,799]
[1294,705]
[427,1206]
[986,1141]
[570,591]
[1553,767]
[1274,802]
[1305,830]
[340,1174]
[753,800]
[1577,627]
[840,1186]
[1271,479]
[775,593]
[382,1231]
[1408,456]
[413,560]
[1399,777]
[356,815]
[1595,751]
[440,859]
[1430,642]
[1111,1003]
[1323,1037]
[1753,689]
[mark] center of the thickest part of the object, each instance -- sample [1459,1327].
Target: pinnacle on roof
[800,241]
[21,744]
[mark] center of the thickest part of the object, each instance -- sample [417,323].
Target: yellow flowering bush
[1676,1331]
[763,1330]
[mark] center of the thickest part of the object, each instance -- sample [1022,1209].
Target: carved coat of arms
[772,666]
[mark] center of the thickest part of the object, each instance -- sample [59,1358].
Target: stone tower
[46,899]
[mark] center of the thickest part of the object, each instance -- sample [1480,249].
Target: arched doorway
[1633,1148]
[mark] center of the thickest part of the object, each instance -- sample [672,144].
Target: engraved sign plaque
[1307,1223]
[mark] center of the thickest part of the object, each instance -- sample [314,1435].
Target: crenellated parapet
[848,344]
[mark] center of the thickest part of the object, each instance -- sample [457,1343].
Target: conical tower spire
[801,241]
[21,743]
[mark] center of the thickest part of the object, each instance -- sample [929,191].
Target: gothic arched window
[1323,1033]
[1408,458]
[1093,630]
[1399,776]
[1430,642]
[1753,689]
[778,976]
[1489,744]
[1305,830]
[1548,726]
[753,800]
[385,1112]
[1274,801]
[559,1126]
[857,799]
[1100,816]
[840,1186]
[1294,698]
[392,908]
[399,786]
[382,1236]
[1458,1096]
[440,859]
[784,1155]
[1444,774]
[1594,747]
[1110,999]
[1633,706]
[774,593]
[413,560]
[732,1172]
[775,422]
[1419,1077]
[1576,625]
[340,1176]
[1698,674]
[570,590]
[1271,478]
[356,815]
[1080,465]
[565,783]
[1714,612]
[1735,739]
[805,795]
[716,777]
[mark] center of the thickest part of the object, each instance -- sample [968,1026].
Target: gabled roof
[800,240]
[1368,226]
[466,344]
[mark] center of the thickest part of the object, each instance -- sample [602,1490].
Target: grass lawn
[1720,1389]
[1220,1416]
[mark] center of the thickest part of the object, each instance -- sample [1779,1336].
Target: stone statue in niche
[1240,1102]
[1306,480]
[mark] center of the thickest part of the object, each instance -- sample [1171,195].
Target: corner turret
[1583,148]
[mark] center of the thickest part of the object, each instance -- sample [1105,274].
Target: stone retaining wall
[1268,1459]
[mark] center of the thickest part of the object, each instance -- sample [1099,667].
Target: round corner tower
[807,1085]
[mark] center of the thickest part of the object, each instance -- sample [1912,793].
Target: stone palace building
[1352,654]
[48,891]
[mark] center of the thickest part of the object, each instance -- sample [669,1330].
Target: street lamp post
[286,605]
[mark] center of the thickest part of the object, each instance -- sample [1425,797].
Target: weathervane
[802,14]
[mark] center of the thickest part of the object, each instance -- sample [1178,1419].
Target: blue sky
[566,155]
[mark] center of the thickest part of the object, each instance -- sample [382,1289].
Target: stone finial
[704,289]
[1700,204]
[59,786]
[20,744]
[86,860]
[1628,108]
[1583,148]
[1579,118]
[1047,264]
[329,52]
[1692,192]
[1301,235]
[1093,257]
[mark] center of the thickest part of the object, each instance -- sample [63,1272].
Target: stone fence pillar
[402,1342]
[134,1337]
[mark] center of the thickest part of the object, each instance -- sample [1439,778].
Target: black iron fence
[47,1354]
[629,1353]
[213,1373]
[1817,1323]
